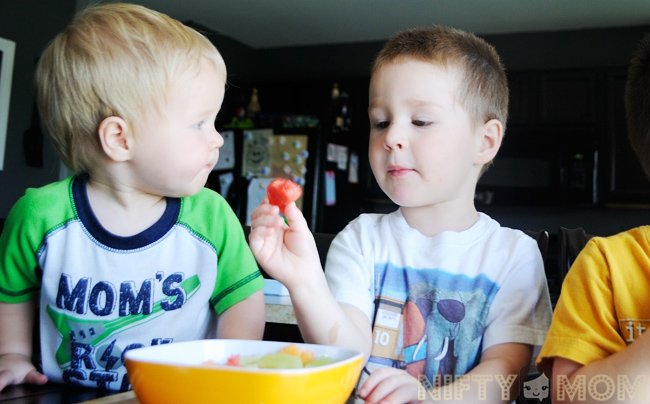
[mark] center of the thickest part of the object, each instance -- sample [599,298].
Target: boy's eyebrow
[207,111]
[422,103]
[373,105]
[411,103]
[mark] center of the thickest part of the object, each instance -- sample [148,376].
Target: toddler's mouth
[398,170]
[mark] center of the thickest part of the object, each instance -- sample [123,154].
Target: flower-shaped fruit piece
[282,191]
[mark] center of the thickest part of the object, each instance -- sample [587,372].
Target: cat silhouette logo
[535,386]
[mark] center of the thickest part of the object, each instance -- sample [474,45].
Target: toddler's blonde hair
[112,60]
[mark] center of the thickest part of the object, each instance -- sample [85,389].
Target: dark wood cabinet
[567,98]
[520,100]
[625,181]
[549,154]
[570,126]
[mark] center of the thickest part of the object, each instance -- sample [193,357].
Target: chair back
[570,242]
[542,239]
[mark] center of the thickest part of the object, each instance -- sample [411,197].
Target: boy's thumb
[295,218]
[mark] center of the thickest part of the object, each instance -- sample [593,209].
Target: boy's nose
[394,139]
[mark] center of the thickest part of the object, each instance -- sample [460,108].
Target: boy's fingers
[264,209]
[35,377]
[6,378]
[271,222]
[379,383]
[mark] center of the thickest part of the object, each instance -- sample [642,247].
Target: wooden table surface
[57,393]
[120,398]
[54,393]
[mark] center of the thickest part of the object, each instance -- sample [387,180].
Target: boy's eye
[418,122]
[382,125]
[198,125]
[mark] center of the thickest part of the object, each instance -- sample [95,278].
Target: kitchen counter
[279,310]
[278,303]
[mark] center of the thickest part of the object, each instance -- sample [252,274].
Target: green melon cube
[279,361]
[320,361]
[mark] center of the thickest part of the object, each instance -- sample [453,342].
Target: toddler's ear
[490,141]
[115,137]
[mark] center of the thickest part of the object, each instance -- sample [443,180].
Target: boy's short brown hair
[637,103]
[483,90]
[112,60]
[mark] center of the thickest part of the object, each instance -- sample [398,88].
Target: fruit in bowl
[204,372]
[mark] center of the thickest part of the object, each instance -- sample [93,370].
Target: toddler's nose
[217,140]
[394,139]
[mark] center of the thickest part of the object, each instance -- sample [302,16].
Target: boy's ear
[490,136]
[116,138]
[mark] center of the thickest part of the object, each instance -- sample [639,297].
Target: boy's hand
[18,369]
[286,252]
[390,386]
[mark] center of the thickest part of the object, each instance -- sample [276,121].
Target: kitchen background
[565,159]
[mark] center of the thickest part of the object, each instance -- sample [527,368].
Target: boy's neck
[433,220]
[124,211]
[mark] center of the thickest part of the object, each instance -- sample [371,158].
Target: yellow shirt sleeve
[585,325]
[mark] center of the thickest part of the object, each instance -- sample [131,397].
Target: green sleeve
[238,275]
[39,212]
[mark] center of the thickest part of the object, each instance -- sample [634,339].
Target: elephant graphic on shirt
[438,324]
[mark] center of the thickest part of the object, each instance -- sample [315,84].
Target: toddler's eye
[198,125]
[382,125]
[418,122]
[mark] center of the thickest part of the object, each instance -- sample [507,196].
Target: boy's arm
[492,381]
[16,326]
[244,320]
[288,253]
[631,363]
[500,363]
[322,320]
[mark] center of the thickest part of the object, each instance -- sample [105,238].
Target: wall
[31,25]
[545,50]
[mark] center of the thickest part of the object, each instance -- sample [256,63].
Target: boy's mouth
[397,171]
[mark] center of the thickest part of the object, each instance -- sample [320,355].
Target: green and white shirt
[102,295]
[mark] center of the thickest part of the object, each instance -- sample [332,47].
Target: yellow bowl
[178,373]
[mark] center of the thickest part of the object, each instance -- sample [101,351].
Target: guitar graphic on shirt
[70,327]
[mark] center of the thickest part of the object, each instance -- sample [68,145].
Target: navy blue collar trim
[143,239]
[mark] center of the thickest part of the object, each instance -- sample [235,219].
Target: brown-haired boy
[436,290]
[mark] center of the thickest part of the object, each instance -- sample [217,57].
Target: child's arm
[289,255]
[395,386]
[16,325]
[630,363]
[244,320]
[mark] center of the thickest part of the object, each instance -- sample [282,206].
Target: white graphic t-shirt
[436,303]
